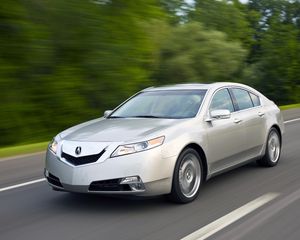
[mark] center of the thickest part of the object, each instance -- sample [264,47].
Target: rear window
[255,99]
[242,98]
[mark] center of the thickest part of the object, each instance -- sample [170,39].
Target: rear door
[251,114]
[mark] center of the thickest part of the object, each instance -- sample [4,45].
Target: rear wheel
[273,149]
[187,177]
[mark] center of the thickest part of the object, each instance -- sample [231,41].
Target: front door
[226,137]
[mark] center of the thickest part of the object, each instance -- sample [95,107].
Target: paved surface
[19,170]
[37,212]
[291,113]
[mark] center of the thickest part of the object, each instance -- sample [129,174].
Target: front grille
[54,180]
[109,185]
[82,160]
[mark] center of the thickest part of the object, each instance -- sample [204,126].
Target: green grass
[286,107]
[23,149]
[38,147]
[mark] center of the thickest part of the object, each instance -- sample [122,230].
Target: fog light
[135,183]
[46,173]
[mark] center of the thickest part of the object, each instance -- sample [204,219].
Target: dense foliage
[64,62]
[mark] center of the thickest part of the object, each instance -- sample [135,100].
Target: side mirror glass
[220,114]
[107,113]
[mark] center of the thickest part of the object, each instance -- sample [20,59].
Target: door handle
[236,120]
[261,114]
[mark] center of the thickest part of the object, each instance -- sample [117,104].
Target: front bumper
[154,172]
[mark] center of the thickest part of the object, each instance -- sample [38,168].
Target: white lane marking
[292,120]
[22,184]
[219,224]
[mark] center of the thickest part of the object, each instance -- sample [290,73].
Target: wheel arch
[279,131]
[203,158]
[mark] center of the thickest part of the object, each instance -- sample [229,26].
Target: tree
[277,71]
[225,16]
[193,54]
[64,62]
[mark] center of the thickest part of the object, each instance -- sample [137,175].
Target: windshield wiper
[116,117]
[145,116]
[137,116]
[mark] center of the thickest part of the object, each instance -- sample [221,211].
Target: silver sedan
[167,141]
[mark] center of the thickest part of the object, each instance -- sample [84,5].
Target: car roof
[192,86]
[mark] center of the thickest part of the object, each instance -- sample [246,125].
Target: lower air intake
[54,180]
[109,185]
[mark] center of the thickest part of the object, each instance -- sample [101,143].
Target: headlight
[53,146]
[138,147]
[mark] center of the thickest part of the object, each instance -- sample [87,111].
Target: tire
[273,149]
[187,177]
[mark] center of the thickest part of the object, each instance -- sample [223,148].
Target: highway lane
[21,169]
[35,211]
[291,114]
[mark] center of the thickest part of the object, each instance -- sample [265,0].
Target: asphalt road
[37,212]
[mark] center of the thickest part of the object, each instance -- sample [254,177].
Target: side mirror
[219,114]
[107,113]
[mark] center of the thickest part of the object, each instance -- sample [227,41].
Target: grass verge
[23,149]
[286,107]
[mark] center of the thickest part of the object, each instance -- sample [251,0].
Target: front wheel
[187,177]
[273,149]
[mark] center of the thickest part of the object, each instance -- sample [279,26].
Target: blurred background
[65,62]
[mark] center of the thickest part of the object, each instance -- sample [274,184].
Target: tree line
[64,62]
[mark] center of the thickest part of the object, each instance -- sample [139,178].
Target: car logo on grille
[78,150]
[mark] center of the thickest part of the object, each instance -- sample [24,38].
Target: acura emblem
[78,150]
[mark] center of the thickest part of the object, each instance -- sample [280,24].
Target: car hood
[117,130]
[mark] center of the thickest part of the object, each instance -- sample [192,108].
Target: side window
[255,99]
[221,100]
[242,98]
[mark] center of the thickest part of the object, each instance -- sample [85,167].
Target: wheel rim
[274,147]
[189,175]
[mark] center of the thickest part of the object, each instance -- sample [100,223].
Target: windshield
[162,104]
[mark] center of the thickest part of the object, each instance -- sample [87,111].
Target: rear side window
[255,99]
[242,98]
[221,100]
